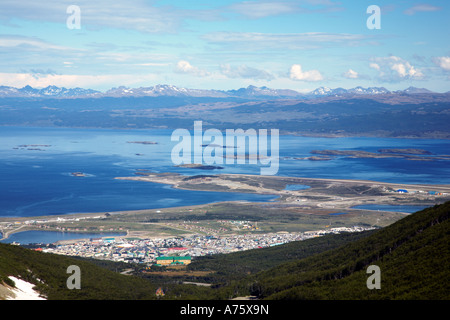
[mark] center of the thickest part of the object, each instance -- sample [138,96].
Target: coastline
[325,196]
[440,135]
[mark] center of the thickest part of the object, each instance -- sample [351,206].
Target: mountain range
[373,111]
[251,92]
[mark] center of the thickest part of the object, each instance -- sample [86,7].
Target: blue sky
[225,44]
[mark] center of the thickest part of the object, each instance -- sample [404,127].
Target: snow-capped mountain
[162,90]
[414,90]
[251,92]
[63,92]
[8,91]
[370,90]
[50,91]
[322,91]
[325,91]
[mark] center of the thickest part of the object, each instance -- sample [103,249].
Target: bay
[36,166]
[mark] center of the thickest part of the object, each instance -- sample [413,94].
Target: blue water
[394,208]
[39,182]
[294,187]
[46,237]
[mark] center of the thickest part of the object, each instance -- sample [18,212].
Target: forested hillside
[49,273]
[413,255]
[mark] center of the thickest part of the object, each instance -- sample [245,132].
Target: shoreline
[323,195]
[93,215]
[301,180]
[56,231]
[330,135]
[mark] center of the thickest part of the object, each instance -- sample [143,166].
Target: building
[160,292]
[170,261]
[402,191]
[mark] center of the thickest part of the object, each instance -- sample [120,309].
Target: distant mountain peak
[359,90]
[322,91]
[414,90]
[254,92]
[168,90]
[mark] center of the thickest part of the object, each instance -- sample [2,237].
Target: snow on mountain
[50,91]
[22,291]
[252,92]
[414,90]
[161,90]
[322,91]
[325,91]
[8,91]
[370,90]
[29,91]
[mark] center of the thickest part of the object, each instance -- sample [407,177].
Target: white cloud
[185,67]
[442,62]
[374,66]
[99,82]
[406,70]
[394,68]
[421,8]
[296,73]
[256,41]
[29,43]
[34,53]
[152,64]
[351,74]
[141,15]
[152,16]
[267,8]
[255,10]
[245,72]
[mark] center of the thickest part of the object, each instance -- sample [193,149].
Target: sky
[225,44]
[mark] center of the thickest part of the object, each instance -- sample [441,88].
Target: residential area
[151,251]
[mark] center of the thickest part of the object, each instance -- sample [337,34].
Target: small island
[32,147]
[198,166]
[408,154]
[315,158]
[405,151]
[214,145]
[78,174]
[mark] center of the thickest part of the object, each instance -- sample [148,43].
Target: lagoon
[46,237]
[295,187]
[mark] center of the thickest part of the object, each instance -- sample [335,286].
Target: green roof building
[165,261]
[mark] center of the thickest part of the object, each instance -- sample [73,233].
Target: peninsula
[323,193]
[298,205]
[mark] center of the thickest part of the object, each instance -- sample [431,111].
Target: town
[164,251]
